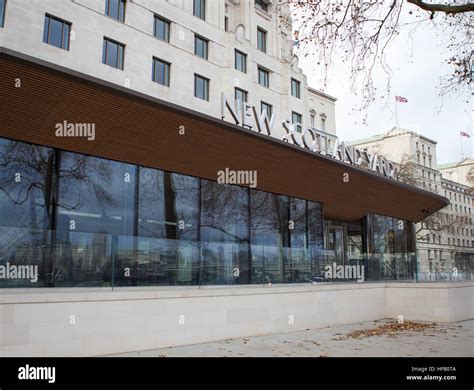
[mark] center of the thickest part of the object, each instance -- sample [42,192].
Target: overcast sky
[415,78]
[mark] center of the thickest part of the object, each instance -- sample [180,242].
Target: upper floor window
[263,77]
[240,61]
[115,9]
[161,72]
[2,12]
[268,108]
[323,124]
[226,23]
[312,117]
[199,9]
[262,5]
[261,39]
[201,46]
[297,120]
[241,95]
[56,32]
[201,87]
[113,53]
[161,28]
[295,88]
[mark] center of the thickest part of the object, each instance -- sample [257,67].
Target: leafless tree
[360,32]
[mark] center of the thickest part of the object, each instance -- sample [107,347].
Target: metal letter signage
[316,141]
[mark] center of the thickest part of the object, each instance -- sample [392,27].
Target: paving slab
[443,339]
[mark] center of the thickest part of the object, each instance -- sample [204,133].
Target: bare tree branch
[446,8]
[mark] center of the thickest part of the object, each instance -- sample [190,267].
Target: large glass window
[269,236]
[224,233]
[115,9]
[56,32]
[161,28]
[88,221]
[168,229]
[25,180]
[298,265]
[393,248]
[113,53]
[96,195]
[315,239]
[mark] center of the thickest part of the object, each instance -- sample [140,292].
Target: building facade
[187,52]
[119,122]
[444,242]
[460,172]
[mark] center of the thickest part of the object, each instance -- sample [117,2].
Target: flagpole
[462,151]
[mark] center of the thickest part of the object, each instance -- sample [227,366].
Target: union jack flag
[401,99]
[464,134]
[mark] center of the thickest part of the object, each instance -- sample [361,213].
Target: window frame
[105,50]
[297,91]
[166,73]
[266,76]
[167,24]
[244,56]
[197,38]
[243,92]
[269,112]
[202,7]
[299,128]
[208,82]
[261,5]
[47,35]
[120,2]
[262,32]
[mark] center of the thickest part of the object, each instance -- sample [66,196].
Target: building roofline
[322,94]
[415,197]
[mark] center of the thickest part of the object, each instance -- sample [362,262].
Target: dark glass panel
[25,184]
[224,234]
[96,195]
[46,29]
[65,38]
[298,267]
[162,29]
[25,210]
[2,12]
[269,236]
[55,32]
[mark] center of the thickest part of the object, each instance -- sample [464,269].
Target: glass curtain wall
[91,222]
[85,221]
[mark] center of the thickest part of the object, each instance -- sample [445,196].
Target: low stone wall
[443,302]
[90,322]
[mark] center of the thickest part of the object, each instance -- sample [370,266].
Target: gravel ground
[453,340]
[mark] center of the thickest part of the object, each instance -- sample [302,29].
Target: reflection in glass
[91,222]
[224,233]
